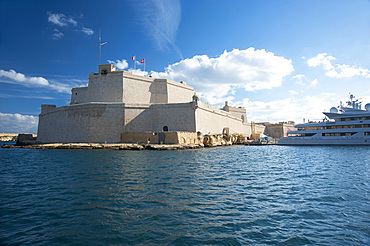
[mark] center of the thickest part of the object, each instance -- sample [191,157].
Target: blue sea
[236,195]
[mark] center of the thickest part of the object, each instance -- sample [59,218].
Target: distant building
[278,130]
[118,102]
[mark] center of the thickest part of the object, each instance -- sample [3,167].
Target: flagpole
[100,44]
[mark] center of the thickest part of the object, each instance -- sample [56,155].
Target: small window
[165,128]
[76,93]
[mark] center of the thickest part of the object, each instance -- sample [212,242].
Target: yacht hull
[300,141]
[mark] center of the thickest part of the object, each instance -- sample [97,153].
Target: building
[278,130]
[117,103]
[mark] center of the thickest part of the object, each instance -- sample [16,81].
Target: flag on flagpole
[134,59]
[143,61]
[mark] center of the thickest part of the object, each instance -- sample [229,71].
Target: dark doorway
[165,128]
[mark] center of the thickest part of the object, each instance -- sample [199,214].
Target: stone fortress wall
[119,102]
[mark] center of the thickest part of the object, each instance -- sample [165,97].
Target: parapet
[46,108]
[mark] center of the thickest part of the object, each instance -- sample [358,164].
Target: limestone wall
[179,92]
[144,118]
[106,88]
[215,121]
[82,123]
[257,130]
[239,112]
[139,137]
[158,92]
[79,95]
[168,137]
[138,89]
[279,130]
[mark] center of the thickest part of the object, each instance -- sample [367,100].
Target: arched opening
[165,128]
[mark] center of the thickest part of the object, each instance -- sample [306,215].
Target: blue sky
[280,59]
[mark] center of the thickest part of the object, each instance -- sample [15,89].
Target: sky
[283,60]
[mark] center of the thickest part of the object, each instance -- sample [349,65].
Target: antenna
[100,44]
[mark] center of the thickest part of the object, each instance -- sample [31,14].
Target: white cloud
[57,34]
[289,109]
[18,78]
[60,19]
[119,64]
[64,21]
[299,76]
[139,72]
[300,79]
[321,59]
[215,78]
[337,70]
[87,31]
[22,79]
[314,82]
[17,123]
[292,92]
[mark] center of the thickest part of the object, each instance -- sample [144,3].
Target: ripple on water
[280,195]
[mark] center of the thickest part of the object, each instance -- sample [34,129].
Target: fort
[120,107]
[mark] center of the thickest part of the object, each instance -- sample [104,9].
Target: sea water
[237,195]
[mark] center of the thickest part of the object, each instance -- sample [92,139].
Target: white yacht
[344,125]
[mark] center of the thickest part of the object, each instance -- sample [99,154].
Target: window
[338,134]
[165,128]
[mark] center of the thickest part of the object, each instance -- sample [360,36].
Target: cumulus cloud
[215,78]
[337,70]
[18,123]
[314,82]
[161,19]
[139,72]
[288,109]
[13,77]
[321,59]
[22,79]
[119,64]
[300,79]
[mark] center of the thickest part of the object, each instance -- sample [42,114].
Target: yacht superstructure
[344,125]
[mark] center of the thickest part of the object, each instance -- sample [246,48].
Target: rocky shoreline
[118,146]
[207,141]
